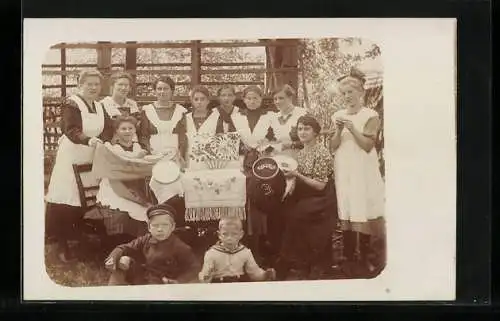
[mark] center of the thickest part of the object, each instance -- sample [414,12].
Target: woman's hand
[349,125]
[339,124]
[124,263]
[290,187]
[290,173]
[93,141]
[142,153]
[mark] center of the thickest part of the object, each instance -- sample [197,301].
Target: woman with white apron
[159,133]
[359,184]
[158,130]
[284,123]
[201,120]
[84,125]
[118,103]
[254,126]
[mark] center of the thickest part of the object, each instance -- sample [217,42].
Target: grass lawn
[91,271]
[75,274]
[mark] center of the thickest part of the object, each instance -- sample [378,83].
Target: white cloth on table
[359,184]
[213,194]
[62,187]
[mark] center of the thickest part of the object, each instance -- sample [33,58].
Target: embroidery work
[215,150]
[213,186]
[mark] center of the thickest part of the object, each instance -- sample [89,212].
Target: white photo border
[420,155]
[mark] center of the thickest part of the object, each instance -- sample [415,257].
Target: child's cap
[161,209]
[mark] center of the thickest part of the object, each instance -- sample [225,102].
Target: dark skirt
[62,221]
[309,220]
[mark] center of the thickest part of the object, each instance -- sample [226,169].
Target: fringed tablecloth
[213,194]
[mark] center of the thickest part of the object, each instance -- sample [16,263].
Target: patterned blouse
[316,163]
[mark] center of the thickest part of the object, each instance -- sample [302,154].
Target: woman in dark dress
[85,124]
[310,209]
[254,124]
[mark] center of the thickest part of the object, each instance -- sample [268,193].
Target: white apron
[282,131]
[359,185]
[62,187]
[165,138]
[248,137]
[209,127]
[112,107]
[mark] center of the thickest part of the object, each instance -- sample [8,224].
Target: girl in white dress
[359,185]
[159,121]
[84,124]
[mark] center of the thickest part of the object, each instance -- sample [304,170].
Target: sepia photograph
[260,166]
[213,160]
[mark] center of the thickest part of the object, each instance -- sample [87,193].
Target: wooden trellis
[281,66]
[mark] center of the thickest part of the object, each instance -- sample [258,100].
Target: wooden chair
[88,188]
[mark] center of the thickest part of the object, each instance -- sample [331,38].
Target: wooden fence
[194,70]
[281,65]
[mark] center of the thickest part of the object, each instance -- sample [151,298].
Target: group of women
[342,183]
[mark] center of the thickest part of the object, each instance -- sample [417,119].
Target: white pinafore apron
[359,185]
[165,139]
[112,107]
[62,188]
[209,127]
[252,138]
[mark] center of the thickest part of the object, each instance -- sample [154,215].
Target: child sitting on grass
[156,258]
[230,261]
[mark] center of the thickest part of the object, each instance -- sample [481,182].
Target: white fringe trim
[214,213]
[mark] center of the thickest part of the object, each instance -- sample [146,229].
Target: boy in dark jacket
[158,257]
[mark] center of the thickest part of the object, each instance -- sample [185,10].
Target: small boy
[156,258]
[228,260]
